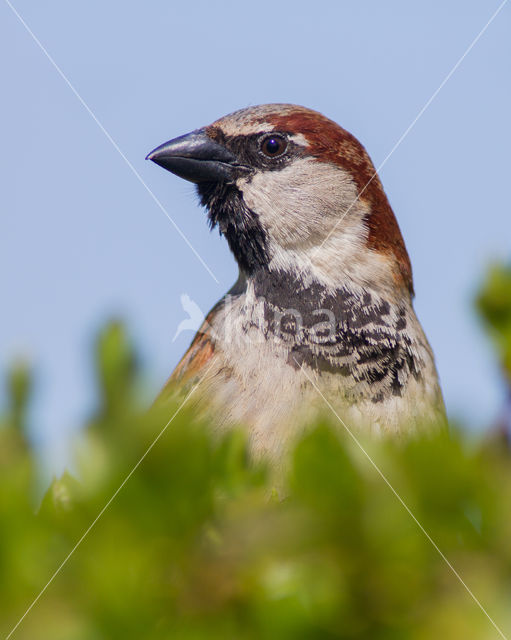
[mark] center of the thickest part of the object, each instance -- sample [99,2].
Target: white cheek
[300,204]
[315,224]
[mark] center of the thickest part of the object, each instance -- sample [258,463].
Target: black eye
[273,146]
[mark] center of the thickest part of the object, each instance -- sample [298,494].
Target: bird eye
[273,146]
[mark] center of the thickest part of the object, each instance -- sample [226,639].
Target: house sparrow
[323,300]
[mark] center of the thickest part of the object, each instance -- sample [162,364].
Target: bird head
[292,191]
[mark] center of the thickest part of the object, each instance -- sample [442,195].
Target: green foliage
[494,306]
[201,542]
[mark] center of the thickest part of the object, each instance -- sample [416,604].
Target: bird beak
[195,157]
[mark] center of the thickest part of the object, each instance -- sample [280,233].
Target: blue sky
[82,239]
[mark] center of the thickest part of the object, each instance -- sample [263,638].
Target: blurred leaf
[494,306]
[117,370]
[200,541]
[19,386]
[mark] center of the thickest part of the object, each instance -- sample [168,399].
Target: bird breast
[368,357]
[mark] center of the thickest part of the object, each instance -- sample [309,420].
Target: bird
[321,316]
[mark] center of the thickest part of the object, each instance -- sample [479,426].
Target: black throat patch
[239,224]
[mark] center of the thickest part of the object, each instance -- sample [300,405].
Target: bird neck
[373,342]
[311,301]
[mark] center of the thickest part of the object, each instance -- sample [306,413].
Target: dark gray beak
[196,157]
